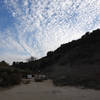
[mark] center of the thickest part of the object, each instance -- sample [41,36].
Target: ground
[46,91]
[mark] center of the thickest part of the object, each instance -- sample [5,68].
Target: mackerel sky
[34,27]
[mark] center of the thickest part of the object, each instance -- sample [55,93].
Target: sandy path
[46,91]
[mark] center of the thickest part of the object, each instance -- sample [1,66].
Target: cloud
[15,57]
[43,25]
[9,43]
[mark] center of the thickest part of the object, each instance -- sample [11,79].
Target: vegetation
[9,76]
[3,63]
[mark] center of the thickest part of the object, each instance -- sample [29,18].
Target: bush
[9,77]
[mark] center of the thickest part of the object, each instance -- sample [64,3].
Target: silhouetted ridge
[75,63]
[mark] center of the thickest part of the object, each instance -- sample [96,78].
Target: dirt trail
[46,91]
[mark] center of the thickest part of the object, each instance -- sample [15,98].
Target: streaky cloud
[43,25]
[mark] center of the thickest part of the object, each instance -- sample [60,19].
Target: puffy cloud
[43,25]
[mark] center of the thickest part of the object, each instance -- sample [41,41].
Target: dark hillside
[76,63]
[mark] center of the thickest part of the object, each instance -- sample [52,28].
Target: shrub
[9,77]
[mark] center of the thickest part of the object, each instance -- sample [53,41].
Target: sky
[34,27]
